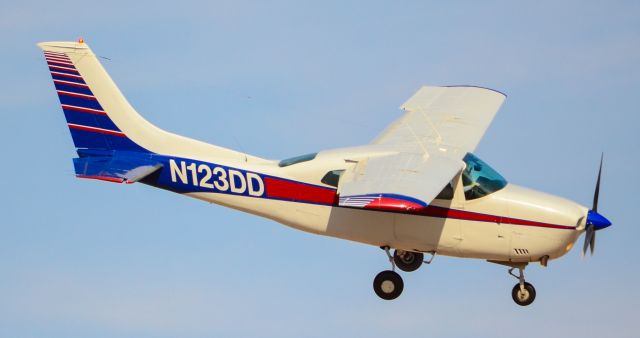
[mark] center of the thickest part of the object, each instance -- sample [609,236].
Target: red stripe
[46,52]
[70,83]
[57,59]
[102,178]
[393,204]
[441,212]
[509,220]
[53,56]
[67,75]
[84,96]
[53,68]
[299,192]
[68,65]
[96,130]
[84,110]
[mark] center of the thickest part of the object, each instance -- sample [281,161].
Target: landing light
[569,246]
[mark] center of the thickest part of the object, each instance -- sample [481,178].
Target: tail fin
[89,124]
[100,117]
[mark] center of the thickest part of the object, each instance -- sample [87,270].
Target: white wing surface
[439,127]
[450,119]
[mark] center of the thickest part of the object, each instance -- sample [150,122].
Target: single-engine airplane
[416,189]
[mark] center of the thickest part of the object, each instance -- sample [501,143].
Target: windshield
[302,158]
[479,179]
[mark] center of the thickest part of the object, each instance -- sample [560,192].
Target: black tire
[408,261]
[388,285]
[526,298]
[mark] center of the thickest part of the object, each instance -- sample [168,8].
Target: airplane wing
[439,127]
[450,119]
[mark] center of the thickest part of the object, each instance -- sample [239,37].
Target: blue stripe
[123,143]
[90,120]
[94,140]
[86,139]
[59,64]
[72,72]
[80,102]
[64,78]
[73,89]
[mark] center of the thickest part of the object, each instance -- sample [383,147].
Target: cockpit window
[479,179]
[294,160]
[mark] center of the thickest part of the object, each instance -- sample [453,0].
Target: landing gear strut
[388,284]
[523,293]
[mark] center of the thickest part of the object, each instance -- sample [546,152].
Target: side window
[332,178]
[298,159]
[446,193]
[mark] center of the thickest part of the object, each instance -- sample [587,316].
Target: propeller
[595,221]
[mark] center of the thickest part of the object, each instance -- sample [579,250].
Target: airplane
[416,189]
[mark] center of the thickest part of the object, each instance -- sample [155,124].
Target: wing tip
[480,87]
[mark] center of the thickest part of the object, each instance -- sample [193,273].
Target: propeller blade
[592,243]
[597,192]
[589,240]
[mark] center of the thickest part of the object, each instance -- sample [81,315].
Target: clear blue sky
[81,258]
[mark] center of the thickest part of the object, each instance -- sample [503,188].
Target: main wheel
[388,285]
[407,261]
[523,297]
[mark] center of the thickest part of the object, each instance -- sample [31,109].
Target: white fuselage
[514,224]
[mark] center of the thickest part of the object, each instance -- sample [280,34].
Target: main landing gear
[407,261]
[523,293]
[388,284]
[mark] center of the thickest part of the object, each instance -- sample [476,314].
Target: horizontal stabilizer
[116,168]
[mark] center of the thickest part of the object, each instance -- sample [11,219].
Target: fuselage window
[298,159]
[479,179]
[332,178]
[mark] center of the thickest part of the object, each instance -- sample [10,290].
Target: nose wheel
[523,295]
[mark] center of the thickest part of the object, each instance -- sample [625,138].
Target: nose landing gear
[523,293]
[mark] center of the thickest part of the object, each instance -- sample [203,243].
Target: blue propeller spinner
[595,221]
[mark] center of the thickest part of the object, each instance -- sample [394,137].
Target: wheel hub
[523,295]
[388,286]
[407,257]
